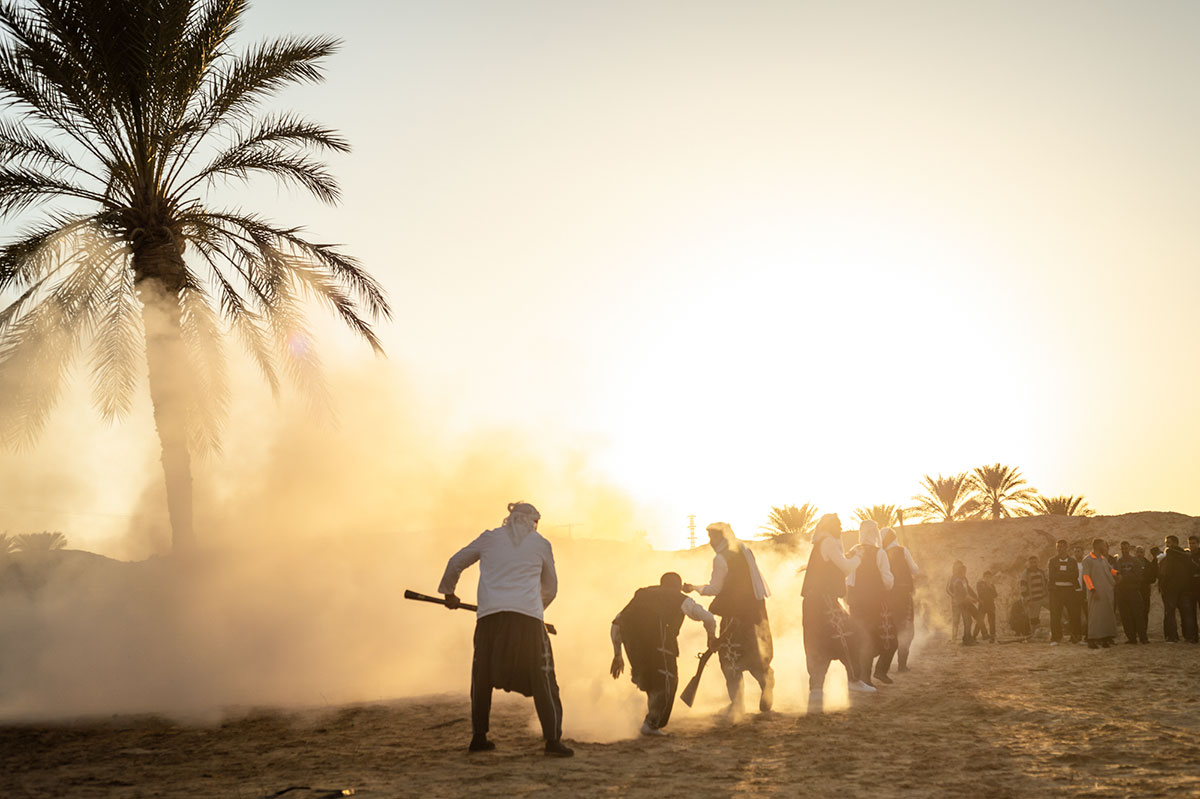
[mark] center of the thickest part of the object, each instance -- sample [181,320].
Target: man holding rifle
[649,628]
[512,650]
[740,593]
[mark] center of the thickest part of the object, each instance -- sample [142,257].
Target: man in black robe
[868,591]
[1193,553]
[740,594]
[1131,577]
[1175,585]
[904,576]
[828,631]
[648,626]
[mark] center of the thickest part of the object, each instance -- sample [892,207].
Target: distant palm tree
[946,499]
[7,544]
[129,111]
[790,520]
[41,542]
[1000,492]
[1059,506]
[883,515]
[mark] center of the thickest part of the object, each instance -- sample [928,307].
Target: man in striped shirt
[1035,592]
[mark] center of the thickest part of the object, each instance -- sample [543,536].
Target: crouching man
[649,628]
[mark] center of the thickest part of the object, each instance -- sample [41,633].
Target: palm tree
[7,544]
[999,488]
[41,542]
[129,112]
[790,520]
[1059,506]
[946,499]
[883,515]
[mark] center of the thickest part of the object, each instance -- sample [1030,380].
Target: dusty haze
[311,530]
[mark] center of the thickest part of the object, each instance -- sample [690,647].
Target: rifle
[689,691]
[464,605]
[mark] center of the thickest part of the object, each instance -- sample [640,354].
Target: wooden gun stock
[689,691]
[437,600]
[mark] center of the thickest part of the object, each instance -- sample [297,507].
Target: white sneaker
[860,687]
[1054,643]
[648,730]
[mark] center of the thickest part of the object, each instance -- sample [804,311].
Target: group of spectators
[1091,592]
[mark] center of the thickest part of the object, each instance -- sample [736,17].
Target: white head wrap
[868,533]
[728,541]
[522,520]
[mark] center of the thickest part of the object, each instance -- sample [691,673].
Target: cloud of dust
[311,532]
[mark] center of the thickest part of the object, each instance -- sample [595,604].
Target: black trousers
[1064,599]
[828,636]
[1183,603]
[659,702]
[987,621]
[1146,606]
[972,620]
[531,672]
[1133,621]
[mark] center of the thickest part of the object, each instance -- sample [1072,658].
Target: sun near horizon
[718,259]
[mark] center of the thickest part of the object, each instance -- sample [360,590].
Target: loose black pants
[1133,620]
[1064,599]
[1183,603]
[512,651]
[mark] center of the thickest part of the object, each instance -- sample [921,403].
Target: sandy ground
[999,720]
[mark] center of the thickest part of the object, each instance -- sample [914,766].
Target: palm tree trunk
[166,359]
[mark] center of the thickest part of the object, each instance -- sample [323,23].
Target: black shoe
[883,678]
[480,743]
[1105,644]
[556,749]
[1093,645]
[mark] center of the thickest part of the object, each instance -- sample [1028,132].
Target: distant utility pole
[692,531]
[570,528]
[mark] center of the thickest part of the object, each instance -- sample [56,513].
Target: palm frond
[1065,505]
[1001,490]
[41,542]
[791,520]
[946,499]
[209,394]
[883,515]
[117,349]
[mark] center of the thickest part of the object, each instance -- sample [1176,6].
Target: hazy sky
[760,253]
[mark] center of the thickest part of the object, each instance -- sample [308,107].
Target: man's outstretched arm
[459,561]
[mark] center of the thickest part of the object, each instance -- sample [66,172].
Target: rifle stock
[462,605]
[689,691]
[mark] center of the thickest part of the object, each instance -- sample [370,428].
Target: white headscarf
[729,541]
[522,520]
[828,525]
[868,533]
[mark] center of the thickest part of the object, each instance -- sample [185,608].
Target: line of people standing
[1095,592]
